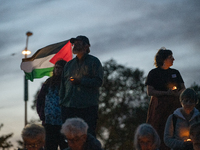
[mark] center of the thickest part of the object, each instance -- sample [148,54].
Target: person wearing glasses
[177,135]
[75,131]
[33,136]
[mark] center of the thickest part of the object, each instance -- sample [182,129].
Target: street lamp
[26,52]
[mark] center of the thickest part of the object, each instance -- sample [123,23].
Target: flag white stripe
[39,63]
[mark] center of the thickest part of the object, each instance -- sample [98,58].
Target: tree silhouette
[4,143]
[122,107]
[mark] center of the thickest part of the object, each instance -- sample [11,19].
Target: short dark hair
[160,56]
[190,94]
[61,62]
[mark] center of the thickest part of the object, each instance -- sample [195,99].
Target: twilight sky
[129,31]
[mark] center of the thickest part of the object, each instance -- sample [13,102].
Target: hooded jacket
[174,136]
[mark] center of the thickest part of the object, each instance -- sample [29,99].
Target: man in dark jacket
[75,131]
[81,79]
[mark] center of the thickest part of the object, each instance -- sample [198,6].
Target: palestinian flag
[42,62]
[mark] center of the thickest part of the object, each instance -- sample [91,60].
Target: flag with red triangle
[42,62]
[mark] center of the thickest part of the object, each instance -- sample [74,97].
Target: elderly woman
[146,138]
[33,136]
[164,85]
[75,131]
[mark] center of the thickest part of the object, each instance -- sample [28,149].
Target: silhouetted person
[81,79]
[49,110]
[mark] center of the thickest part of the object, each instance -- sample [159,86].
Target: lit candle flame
[71,78]
[189,140]
[174,88]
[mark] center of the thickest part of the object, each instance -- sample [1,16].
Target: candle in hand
[174,88]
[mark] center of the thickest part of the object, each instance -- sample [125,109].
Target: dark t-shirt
[164,80]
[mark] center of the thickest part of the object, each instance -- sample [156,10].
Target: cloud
[128,31]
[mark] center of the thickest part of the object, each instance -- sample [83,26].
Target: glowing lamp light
[174,88]
[26,52]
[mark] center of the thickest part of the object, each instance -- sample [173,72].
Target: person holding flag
[81,79]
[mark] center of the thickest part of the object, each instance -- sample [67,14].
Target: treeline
[123,105]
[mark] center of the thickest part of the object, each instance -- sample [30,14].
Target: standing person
[164,85]
[81,79]
[146,138]
[177,135]
[75,131]
[49,110]
[33,136]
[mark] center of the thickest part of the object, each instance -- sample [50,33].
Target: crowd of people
[67,105]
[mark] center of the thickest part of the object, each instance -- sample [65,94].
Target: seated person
[33,136]
[146,137]
[176,135]
[75,131]
[195,135]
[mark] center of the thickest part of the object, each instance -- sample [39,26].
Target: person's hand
[188,145]
[170,92]
[175,92]
[75,81]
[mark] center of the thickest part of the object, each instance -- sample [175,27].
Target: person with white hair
[33,136]
[146,138]
[75,131]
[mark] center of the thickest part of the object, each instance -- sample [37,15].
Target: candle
[71,79]
[189,140]
[174,88]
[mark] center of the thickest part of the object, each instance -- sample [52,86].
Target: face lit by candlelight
[187,105]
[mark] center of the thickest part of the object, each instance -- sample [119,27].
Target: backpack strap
[174,118]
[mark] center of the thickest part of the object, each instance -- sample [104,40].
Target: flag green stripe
[39,73]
